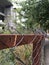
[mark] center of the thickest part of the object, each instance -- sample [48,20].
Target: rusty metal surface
[37,53]
[7,41]
[28,39]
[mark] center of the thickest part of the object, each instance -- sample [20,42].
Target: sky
[21,0]
[17,6]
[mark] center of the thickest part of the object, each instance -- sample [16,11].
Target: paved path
[46,54]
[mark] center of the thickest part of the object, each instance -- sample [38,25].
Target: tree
[36,12]
[42,16]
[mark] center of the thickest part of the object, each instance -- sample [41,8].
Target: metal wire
[20,40]
[37,46]
[33,39]
[34,49]
[38,53]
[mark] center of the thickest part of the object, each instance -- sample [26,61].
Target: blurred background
[22,17]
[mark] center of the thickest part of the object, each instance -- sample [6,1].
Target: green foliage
[13,56]
[6,57]
[6,32]
[42,13]
[36,12]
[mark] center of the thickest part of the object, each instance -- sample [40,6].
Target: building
[6,12]
[5,6]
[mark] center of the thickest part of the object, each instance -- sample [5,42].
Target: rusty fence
[8,41]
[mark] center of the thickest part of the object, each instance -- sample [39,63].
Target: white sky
[17,6]
[20,0]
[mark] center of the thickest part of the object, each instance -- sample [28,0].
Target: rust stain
[7,41]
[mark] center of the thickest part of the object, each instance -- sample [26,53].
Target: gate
[8,41]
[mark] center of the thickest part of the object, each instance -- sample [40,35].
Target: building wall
[10,14]
[7,12]
[2,11]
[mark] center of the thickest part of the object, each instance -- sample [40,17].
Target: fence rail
[8,41]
